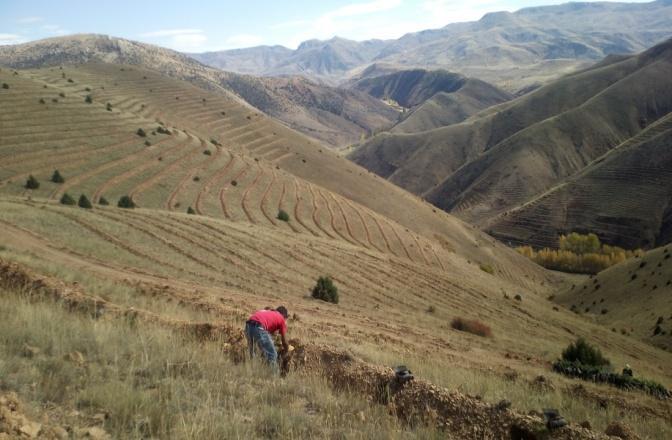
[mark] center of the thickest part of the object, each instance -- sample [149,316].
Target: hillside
[509,154]
[337,117]
[623,196]
[510,50]
[631,298]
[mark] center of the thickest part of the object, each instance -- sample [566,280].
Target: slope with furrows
[207,152]
[622,196]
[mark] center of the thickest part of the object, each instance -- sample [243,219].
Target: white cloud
[363,8]
[54,29]
[30,20]
[179,39]
[6,39]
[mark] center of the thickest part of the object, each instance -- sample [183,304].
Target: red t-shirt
[270,320]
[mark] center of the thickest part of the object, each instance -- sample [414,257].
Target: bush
[32,183]
[5,86]
[88,99]
[109,107]
[471,326]
[325,290]
[84,202]
[67,200]
[148,144]
[42,101]
[162,130]
[583,353]
[207,152]
[283,216]
[62,95]
[70,80]
[141,132]
[190,210]
[487,269]
[57,178]
[126,202]
[103,201]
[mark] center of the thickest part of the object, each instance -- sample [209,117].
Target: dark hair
[283,311]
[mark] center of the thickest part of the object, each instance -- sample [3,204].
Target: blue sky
[198,26]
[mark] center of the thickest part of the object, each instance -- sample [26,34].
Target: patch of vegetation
[579,253]
[472,326]
[32,183]
[103,201]
[283,216]
[84,202]
[325,290]
[214,141]
[487,268]
[126,202]
[62,95]
[163,130]
[582,360]
[207,152]
[191,211]
[234,183]
[57,178]
[148,144]
[5,86]
[42,101]
[109,107]
[66,199]
[88,99]
[141,133]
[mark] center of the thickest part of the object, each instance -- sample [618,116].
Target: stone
[31,429]
[621,430]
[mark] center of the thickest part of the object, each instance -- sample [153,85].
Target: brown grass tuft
[472,326]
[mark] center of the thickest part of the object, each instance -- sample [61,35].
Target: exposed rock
[621,430]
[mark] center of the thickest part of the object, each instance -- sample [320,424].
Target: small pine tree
[190,210]
[88,99]
[109,107]
[583,353]
[126,202]
[84,202]
[32,183]
[283,216]
[57,178]
[103,201]
[67,200]
[141,132]
[325,290]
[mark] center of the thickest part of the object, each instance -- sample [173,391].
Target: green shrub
[163,130]
[67,200]
[5,86]
[471,326]
[325,290]
[84,202]
[141,133]
[283,216]
[126,202]
[32,183]
[583,353]
[57,178]
[148,144]
[103,201]
[70,80]
[42,101]
[62,95]
[88,99]
[207,152]
[109,107]
[487,268]
[190,210]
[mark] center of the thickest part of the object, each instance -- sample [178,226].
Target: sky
[199,26]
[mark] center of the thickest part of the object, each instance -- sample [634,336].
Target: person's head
[283,311]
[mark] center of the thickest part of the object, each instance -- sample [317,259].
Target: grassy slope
[194,268]
[634,294]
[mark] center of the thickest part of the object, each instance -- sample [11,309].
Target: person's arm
[285,345]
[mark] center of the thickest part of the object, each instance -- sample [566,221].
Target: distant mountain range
[511,50]
[588,152]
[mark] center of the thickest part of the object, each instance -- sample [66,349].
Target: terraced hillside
[254,168]
[623,196]
[507,155]
[204,273]
[634,297]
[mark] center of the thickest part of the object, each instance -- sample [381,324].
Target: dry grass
[472,326]
[152,383]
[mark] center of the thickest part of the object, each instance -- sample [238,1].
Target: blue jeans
[258,337]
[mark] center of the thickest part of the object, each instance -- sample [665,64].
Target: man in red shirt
[259,328]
